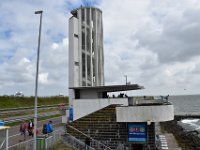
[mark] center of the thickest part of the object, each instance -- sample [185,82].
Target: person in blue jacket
[49,127]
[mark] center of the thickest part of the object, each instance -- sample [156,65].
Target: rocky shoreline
[186,140]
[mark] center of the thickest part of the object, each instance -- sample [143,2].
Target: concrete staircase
[102,127]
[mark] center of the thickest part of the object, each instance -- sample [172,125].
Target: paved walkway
[167,140]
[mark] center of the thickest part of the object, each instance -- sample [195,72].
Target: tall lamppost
[36,81]
[126,79]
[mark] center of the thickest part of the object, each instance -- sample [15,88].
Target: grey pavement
[167,140]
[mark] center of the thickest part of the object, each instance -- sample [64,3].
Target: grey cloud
[19,17]
[153,43]
[178,39]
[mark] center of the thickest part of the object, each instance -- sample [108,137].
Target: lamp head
[38,12]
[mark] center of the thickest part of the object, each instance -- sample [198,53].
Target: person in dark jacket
[30,128]
[87,142]
[44,129]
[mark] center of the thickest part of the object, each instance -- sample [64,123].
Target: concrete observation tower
[125,120]
[86,59]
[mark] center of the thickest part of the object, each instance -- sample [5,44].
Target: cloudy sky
[155,43]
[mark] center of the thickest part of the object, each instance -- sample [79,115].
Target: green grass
[14,102]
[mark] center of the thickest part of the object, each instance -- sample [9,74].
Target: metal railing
[50,139]
[75,143]
[93,143]
[2,144]
[26,145]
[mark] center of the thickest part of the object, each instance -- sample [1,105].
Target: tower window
[83,64]
[88,16]
[83,15]
[83,40]
[88,68]
[76,35]
[76,63]
[88,39]
[84,84]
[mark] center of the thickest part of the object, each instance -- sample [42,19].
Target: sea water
[187,104]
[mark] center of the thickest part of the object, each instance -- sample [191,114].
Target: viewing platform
[128,109]
[145,110]
[90,99]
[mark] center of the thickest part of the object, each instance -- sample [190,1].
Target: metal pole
[7,139]
[36,81]
[126,78]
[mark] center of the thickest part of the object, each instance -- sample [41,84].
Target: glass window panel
[83,40]
[83,65]
[83,14]
[88,40]
[88,68]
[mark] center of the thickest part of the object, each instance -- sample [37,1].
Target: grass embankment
[15,102]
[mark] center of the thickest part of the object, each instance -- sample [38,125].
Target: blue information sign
[1,123]
[71,114]
[137,132]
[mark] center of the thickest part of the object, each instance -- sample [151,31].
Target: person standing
[87,143]
[22,129]
[51,126]
[30,128]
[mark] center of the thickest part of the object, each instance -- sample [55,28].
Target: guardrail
[51,139]
[2,144]
[32,107]
[29,117]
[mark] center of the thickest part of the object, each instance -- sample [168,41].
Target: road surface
[14,134]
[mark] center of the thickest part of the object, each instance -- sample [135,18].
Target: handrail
[20,143]
[76,143]
[108,148]
[2,144]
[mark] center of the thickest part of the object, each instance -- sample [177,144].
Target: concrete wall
[88,94]
[74,69]
[83,107]
[153,113]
